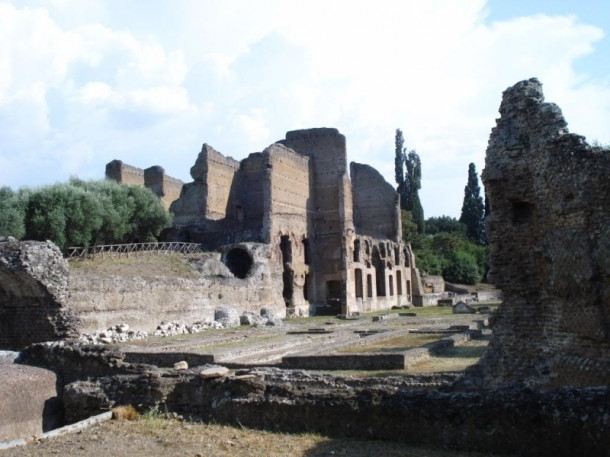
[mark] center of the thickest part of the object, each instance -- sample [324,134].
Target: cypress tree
[473,208]
[412,186]
[409,183]
[399,168]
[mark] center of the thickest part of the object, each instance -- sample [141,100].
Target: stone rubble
[225,317]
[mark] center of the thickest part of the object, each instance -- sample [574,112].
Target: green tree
[11,213]
[473,208]
[64,214]
[444,224]
[461,268]
[448,252]
[412,185]
[409,228]
[408,183]
[399,168]
[82,213]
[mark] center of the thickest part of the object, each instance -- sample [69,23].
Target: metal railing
[117,250]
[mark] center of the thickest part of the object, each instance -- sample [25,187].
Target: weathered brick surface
[33,288]
[520,422]
[549,237]
[297,197]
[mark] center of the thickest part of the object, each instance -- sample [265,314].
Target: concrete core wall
[154,178]
[549,237]
[297,196]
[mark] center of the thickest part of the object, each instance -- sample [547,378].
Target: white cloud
[84,84]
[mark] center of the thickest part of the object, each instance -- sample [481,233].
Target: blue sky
[83,83]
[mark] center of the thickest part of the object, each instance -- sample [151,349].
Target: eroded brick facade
[549,237]
[337,241]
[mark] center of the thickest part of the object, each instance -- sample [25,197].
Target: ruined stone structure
[549,236]
[336,240]
[33,291]
[153,178]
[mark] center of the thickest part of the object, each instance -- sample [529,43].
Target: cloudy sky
[148,81]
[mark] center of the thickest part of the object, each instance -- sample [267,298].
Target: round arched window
[239,261]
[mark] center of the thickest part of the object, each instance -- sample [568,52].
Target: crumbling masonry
[549,236]
[336,242]
[154,178]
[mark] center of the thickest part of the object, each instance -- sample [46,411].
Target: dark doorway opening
[333,299]
[288,274]
[379,265]
[359,291]
[399,282]
[306,287]
[239,261]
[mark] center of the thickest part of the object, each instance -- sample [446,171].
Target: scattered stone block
[250,318]
[214,372]
[445,302]
[182,365]
[271,317]
[463,308]
[227,316]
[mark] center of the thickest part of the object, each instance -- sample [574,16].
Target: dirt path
[155,437]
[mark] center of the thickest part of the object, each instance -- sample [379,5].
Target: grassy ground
[397,344]
[147,264]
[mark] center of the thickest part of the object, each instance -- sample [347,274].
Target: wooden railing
[117,250]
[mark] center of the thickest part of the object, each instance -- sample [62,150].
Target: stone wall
[144,302]
[375,203]
[33,289]
[549,237]
[297,196]
[252,202]
[287,222]
[154,178]
[207,197]
[510,421]
[331,211]
[40,301]
[124,174]
[165,187]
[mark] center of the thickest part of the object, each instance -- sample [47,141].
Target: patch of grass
[396,344]
[431,311]
[146,264]
[464,352]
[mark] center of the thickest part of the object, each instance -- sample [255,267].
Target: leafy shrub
[461,268]
[82,213]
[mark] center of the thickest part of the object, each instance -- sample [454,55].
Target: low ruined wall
[428,299]
[519,422]
[549,239]
[167,359]
[144,302]
[346,362]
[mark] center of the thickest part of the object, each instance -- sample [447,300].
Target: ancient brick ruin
[549,235]
[335,240]
[154,178]
[291,213]
[33,292]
